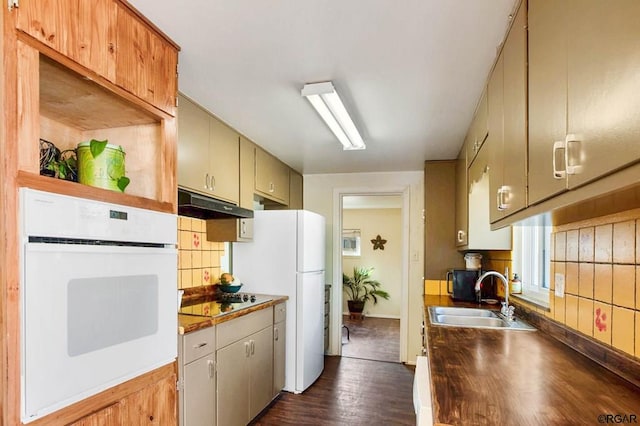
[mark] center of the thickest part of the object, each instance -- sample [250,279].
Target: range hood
[203,207]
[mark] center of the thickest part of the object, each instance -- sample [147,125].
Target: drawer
[279,313]
[198,344]
[241,327]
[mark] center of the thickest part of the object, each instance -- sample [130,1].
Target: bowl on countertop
[229,288]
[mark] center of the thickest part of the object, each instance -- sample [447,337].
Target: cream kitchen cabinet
[244,366]
[480,236]
[272,177]
[208,153]
[197,384]
[584,112]
[247,172]
[478,129]
[507,97]
[462,201]
[279,347]
[295,190]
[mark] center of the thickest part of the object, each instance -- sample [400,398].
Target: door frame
[335,341]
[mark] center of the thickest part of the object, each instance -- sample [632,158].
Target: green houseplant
[360,288]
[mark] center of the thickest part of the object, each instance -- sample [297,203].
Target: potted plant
[360,288]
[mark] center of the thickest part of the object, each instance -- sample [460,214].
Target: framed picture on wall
[351,242]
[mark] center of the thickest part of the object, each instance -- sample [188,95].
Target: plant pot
[355,306]
[104,170]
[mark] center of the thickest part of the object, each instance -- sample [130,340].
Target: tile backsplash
[599,259]
[198,259]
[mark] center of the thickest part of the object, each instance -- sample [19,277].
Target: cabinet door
[514,149]
[110,416]
[272,177]
[480,235]
[261,384]
[461,198]
[279,359]
[193,146]
[81,30]
[603,45]
[295,190]
[145,62]
[232,387]
[224,152]
[154,404]
[247,172]
[200,392]
[547,45]
[495,140]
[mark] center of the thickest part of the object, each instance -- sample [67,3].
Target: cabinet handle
[503,196]
[206,181]
[572,154]
[243,228]
[247,349]
[461,234]
[272,187]
[558,174]
[199,345]
[275,334]
[212,368]
[213,183]
[253,347]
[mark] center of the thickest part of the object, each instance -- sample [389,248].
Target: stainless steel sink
[469,321]
[466,312]
[474,318]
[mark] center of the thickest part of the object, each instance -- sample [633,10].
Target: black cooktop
[222,303]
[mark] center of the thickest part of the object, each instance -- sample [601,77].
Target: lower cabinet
[279,347]
[245,367]
[196,357]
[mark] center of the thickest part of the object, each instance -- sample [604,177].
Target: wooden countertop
[189,323]
[511,377]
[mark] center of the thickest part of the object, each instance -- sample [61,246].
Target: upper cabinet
[63,68]
[247,172]
[478,130]
[208,153]
[272,177]
[110,39]
[462,212]
[295,190]
[507,93]
[584,112]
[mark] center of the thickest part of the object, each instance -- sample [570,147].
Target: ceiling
[410,72]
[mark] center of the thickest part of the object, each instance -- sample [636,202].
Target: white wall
[319,195]
[387,263]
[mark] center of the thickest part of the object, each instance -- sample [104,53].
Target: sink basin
[466,312]
[474,318]
[469,321]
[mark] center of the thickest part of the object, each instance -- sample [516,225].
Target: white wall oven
[98,294]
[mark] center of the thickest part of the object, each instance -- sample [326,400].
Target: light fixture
[325,100]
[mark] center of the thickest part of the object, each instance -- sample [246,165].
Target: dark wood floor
[349,392]
[377,339]
[366,386]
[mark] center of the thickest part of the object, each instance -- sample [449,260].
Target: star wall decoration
[378,243]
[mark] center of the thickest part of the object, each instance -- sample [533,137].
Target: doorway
[372,239]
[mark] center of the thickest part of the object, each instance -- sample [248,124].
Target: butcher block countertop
[512,377]
[189,323]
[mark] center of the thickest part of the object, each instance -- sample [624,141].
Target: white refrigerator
[287,257]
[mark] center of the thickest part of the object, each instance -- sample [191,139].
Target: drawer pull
[199,345]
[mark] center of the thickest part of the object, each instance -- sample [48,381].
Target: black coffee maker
[461,285]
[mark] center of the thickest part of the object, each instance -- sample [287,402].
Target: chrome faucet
[506,310]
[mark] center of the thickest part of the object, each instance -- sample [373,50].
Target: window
[351,242]
[532,257]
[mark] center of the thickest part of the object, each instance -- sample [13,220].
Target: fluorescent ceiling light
[325,100]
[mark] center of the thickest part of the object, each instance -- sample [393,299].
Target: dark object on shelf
[56,163]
